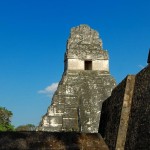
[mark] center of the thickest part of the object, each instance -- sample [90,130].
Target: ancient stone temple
[125,117]
[85,84]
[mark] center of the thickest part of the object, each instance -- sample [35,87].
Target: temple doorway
[88,65]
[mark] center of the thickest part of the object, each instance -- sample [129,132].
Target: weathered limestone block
[85,84]
[125,118]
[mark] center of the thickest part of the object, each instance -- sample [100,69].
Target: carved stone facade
[85,84]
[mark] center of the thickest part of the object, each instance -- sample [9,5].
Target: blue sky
[33,35]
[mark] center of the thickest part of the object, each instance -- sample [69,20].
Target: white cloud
[49,90]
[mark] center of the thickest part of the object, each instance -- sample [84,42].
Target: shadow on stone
[49,140]
[125,117]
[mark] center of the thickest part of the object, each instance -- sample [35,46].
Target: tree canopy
[5,120]
[28,127]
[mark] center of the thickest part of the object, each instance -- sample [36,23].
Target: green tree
[28,127]
[5,120]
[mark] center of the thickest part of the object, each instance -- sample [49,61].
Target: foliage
[5,120]
[28,127]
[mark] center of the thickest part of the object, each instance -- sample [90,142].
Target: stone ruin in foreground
[85,84]
[125,117]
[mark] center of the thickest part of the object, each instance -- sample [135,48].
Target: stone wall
[77,64]
[138,134]
[115,111]
[51,141]
[71,64]
[125,119]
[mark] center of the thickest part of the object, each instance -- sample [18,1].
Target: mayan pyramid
[85,84]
